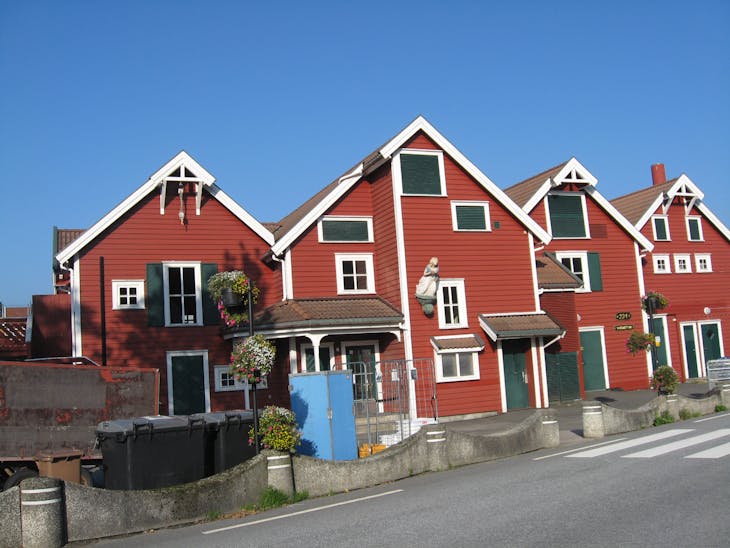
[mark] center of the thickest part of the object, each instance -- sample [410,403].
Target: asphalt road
[664,486]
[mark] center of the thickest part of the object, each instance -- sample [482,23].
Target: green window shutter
[420,173]
[210,307]
[566,216]
[660,227]
[694,229]
[470,217]
[594,271]
[344,231]
[155,295]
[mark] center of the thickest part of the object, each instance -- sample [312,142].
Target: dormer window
[694,229]
[661,228]
[567,215]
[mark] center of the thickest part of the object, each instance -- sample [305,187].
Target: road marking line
[713,417]
[681,444]
[713,453]
[630,443]
[309,511]
[578,449]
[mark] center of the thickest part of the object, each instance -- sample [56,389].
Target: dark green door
[361,360]
[188,384]
[562,376]
[515,374]
[661,350]
[690,352]
[710,341]
[592,346]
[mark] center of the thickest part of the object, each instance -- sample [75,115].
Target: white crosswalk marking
[629,443]
[713,453]
[681,444]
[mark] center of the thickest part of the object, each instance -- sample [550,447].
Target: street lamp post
[651,305]
[249,296]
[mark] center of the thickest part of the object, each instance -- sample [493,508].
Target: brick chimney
[658,175]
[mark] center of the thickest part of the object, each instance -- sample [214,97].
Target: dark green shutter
[660,227]
[420,173]
[155,295]
[694,229]
[566,216]
[344,231]
[594,271]
[210,307]
[470,217]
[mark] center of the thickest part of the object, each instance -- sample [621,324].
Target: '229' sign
[621,316]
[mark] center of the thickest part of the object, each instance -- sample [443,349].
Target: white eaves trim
[572,166]
[181,159]
[622,221]
[387,151]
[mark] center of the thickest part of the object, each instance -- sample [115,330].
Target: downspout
[102,310]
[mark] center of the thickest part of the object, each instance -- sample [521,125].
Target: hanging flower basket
[230,290]
[639,342]
[231,299]
[252,359]
[277,430]
[654,301]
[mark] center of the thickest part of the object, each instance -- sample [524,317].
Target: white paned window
[225,381]
[694,229]
[470,216]
[577,263]
[660,225]
[128,294]
[457,366]
[661,264]
[355,273]
[183,295]
[703,262]
[452,304]
[682,264]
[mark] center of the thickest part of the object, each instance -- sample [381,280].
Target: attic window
[422,172]
[567,214]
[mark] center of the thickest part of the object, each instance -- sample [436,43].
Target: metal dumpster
[152,452]
[226,439]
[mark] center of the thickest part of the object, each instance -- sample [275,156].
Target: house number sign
[623,316]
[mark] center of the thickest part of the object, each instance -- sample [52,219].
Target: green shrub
[685,414]
[664,418]
[272,498]
[665,380]
[720,407]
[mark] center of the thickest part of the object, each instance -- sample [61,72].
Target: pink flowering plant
[252,358]
[277,430]
[659,300]
[239,284]
[639,342]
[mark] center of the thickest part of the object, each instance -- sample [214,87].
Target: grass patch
[720,407]
[664,418]
[270,498]
[213,515]
[685,414]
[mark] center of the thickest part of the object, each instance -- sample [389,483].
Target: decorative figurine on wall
[428,285]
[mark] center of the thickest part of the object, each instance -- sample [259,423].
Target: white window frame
[708,260]
[485,208]
[688,261]
[335,218]
[473,353]
[585,274]
[317,364]
[398,174]
[219,371]
[198,292]
[341,258]
[585,216]
[667,262]
[664,218]
[118,285]
[458,283]
[697,218]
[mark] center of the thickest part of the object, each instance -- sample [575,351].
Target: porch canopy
[520,325]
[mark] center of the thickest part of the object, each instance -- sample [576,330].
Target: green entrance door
[661,351]
[690,351]
[188,384]
[591,344]
[515,374]
[710,341]
[361,361]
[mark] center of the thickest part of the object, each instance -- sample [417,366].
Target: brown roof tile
[633,206]
[524,190]
[64,236]
[457,343]
[12,337]
[551,274]
[518,326]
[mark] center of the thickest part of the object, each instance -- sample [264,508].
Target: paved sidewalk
[570,415]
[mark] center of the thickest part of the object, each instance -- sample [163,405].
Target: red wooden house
[138,291]
[594,241]
[689,265]
[351,259]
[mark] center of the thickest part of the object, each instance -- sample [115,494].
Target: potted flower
[665,380]
[230,287]
[654,301]
[252,358]
[638,342]
[277,430]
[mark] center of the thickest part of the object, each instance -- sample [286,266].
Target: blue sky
[277,100]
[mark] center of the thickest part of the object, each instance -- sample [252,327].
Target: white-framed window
[660,225]
[661,264]
[682,263]
[183,294]
[694,229]
[127,294]
[703,262]
[341,229]
[567,215]
[461,365]
[225,381]
[451,298]
[326,358]
[470,216]
[421,172]
[577,263]
[355,273]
